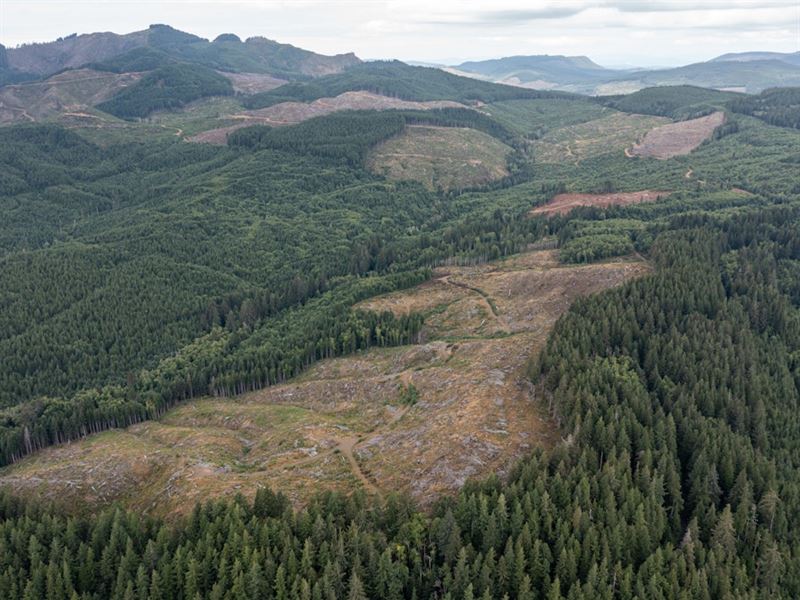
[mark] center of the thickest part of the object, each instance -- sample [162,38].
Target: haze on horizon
[611,32]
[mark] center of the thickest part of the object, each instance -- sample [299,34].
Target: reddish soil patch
[676,139]
[563,203]
[290,113]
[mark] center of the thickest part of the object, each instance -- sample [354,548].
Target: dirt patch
[564,203]
[677,139]
[344,424]
[291,113]
[252,83]
[71,92]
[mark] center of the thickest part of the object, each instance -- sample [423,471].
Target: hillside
[676,102]
[257,55]
[71,93]
[792,58]
[539,72]
[166,87]
[748,72]
[350,422]
[394,79]
[750,76]
[387,332]
[443,158]
[776,106]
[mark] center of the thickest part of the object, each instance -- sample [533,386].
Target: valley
[280,324]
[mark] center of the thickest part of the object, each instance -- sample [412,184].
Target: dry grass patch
[291,113]
[441,157]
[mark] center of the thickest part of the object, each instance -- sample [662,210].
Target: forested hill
[170,86]
[677,102]
[399,80]
[779,106]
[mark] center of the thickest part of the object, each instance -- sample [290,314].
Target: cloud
[654,6]
[522,15]
[451,31]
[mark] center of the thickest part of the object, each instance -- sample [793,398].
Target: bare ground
[564,203]
[252,83]
[342,424]
[677,139]
[606,135]
[71,92]
[291,113]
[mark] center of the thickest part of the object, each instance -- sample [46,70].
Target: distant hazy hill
[541,72]
[752,75]
[746,72]
[793,58]
[227,52]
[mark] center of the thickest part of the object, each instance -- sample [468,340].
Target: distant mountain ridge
[528,68]
[226,52]
[746,72]
[792,58]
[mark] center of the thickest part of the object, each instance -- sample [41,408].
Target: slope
[396,79]
[441,158]
[257,55]
[420,419]
[540,72]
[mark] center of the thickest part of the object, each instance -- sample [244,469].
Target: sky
[611,32]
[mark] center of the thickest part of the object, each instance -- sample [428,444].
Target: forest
[679,481]
[169,86]
[778,106]
[140,273]
[679,102]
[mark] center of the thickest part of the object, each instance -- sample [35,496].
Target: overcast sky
[612,32]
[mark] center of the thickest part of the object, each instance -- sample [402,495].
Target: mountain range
[749,72]
[227,52]
[160,44]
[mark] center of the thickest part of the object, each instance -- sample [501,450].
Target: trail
[48,82]
[486,298]
[81,114]
[178,130]
[346,445]
[415,155]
